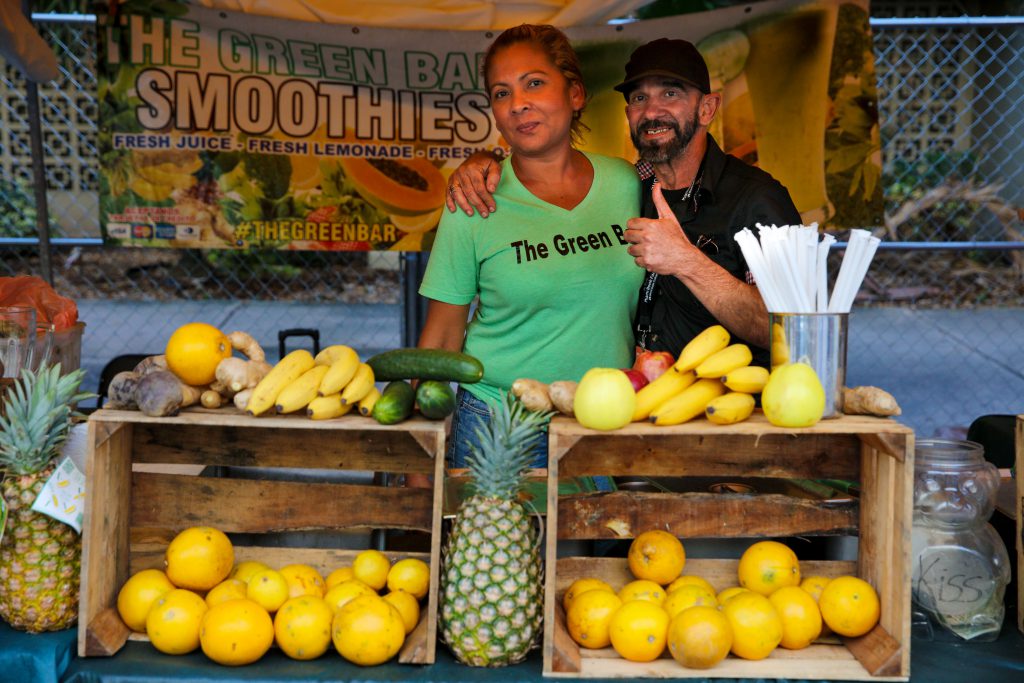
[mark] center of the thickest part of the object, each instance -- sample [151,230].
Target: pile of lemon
[236,612]
[770,607]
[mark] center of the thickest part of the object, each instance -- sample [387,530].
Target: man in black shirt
[695,199]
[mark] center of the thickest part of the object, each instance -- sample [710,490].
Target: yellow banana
[688,404]
[298,393]
[725,361]
[326,407]
[287,370]
[665,386]
[339,373]
[357,389]
[749,379]
[368,401]
[711,340]
[332,354]
[729,408]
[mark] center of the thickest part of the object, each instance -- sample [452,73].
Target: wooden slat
[105,535]
[551,574]
[878,652]
[106,634]
[247,446]
[694,515]
[257,506]
[565,655]
[734,455]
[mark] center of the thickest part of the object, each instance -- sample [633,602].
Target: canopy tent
[21,45]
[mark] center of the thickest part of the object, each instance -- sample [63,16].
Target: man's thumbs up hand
[658,244]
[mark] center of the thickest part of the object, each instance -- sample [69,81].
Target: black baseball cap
[677,59]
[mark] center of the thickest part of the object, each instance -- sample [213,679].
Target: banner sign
[229,130]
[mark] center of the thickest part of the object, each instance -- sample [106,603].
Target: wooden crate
[143,488]
[876,452]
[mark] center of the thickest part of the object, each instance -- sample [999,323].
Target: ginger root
[243,341]
[869,401]
[211,399]
[562,394]
[533,394]
[237,374]
[241,399]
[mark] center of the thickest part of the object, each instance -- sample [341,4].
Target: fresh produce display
[770,608]
[40,556]
[250,606]
[491,583]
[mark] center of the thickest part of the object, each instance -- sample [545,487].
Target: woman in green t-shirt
[555,286]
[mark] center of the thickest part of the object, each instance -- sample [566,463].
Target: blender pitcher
[17,339]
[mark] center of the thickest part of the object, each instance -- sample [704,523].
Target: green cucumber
[395,403]
[449,366]
[436,399]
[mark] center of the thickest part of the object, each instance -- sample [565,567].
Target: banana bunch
[329,385]
[156,176]
[710,377]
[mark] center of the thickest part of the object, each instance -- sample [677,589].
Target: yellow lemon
[243,571]
[303,580]
[371,567]
[410,575]
[345,591]
[767,566]
[689,580]
[138,594]
[408,606]
[642,589]
[268,589]
[302,627]
[728,593]
[658,556]
[580,586]
[339,575]
[173,623]
[801,619]
[194,350]
[814,585]
[368,631]
[639,631]
[756,626]
[849,606]
[699,637]
[236,632]
[590,617]
[228,589]
[688,596]
[199,558]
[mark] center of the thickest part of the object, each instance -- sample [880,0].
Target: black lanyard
[649,290]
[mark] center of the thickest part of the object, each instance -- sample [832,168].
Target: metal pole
[35,128]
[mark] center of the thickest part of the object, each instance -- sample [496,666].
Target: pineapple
[40,557]
[492,588]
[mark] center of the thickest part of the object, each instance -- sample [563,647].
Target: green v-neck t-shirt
[557,288]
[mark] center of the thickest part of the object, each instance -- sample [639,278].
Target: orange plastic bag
[51,307]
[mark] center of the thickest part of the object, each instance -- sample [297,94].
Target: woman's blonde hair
[556,46]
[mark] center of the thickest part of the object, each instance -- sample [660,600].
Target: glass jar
[960,565]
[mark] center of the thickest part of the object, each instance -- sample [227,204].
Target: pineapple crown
[506,447]
[37,415]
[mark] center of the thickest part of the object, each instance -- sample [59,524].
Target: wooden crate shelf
[1019,514]
[876,452]
[144,487]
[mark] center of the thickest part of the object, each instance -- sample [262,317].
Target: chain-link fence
[938,315]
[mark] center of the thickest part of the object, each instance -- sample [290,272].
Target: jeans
[471,414]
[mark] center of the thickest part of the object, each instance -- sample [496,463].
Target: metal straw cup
[818,339]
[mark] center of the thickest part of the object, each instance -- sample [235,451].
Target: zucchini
[448,366]
[395,403]
[436,399]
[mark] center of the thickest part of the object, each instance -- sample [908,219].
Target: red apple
[636,378]
[653,363]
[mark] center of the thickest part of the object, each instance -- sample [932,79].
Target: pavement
[944,367]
